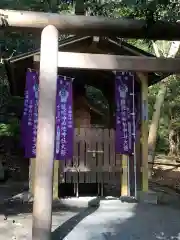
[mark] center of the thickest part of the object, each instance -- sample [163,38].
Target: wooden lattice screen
[94,158]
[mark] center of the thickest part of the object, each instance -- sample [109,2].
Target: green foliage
[97,99]
[10,109]
[148,10]
[162,140]
[11,129]
[170,114]
[139,9]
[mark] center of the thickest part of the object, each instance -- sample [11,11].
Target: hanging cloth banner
[124,112]
[24,119]
[28,120]
[35,114]
[64,132]
[64,119]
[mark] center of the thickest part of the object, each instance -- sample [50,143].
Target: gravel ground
[112,220]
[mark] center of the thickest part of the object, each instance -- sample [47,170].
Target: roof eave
[153,78]
[63,43]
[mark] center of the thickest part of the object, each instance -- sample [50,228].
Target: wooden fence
[94,158]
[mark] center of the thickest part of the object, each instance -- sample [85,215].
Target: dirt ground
[166,171]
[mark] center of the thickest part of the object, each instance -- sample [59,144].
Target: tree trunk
[177,142]
[172,143]
[155,122]
[159,102]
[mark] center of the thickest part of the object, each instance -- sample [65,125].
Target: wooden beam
[124,176]
[32,163]
[43,189]
[144,131]
[56,180]
[116,62]
[90,25]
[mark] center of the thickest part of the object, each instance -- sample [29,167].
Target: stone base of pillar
[148,197]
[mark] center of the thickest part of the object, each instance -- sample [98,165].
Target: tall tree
[160,48]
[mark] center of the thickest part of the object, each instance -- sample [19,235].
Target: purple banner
[24,119]
[35,115]
[27,122]
[30,147]
[64,119]
[125,121]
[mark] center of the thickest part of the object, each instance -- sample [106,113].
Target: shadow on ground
[145,221]
[128,221]
[62,231]
[113,220]
[13,208]
[10,206]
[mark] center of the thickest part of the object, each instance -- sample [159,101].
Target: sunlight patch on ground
[163,236]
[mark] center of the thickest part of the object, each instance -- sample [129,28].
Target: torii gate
[50,60]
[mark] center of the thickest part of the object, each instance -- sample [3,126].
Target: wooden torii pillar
[43,187]
[144,132]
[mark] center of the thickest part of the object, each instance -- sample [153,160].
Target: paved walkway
[19,227]
[113,220]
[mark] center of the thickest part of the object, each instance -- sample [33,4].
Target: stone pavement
[112,220]
[129,221]
[16,217]
[19,227]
